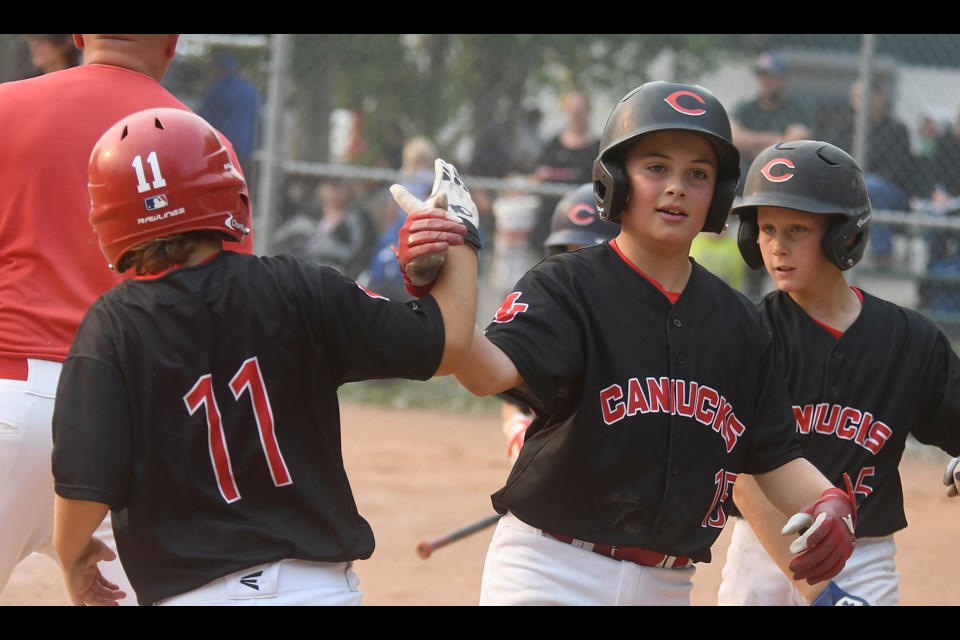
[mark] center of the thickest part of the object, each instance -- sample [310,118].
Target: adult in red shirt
[51,267]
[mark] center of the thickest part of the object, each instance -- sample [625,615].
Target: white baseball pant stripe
[26,501]
[751,578]
[524,566]
[277,584]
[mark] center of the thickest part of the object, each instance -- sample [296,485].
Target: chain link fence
[342,108]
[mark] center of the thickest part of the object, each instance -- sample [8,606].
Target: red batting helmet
[659,106]
[811,176]
[576,222]
[161,172]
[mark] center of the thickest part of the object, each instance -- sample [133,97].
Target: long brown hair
[161,254]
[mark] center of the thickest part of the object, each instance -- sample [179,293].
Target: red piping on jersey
[836,333]
[672,296]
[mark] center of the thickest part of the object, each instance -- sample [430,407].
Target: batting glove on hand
[460,205]
[951,478]
[827,537]
[424,238]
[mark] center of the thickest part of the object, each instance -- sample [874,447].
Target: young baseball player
[653,381]
[198,401]
[43,220]
[863,373]
[575,223]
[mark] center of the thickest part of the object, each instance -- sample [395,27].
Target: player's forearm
[74,522]
[767,522]
[792,486]
[455,291]
[487,370]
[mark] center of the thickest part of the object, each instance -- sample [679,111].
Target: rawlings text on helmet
[161,172]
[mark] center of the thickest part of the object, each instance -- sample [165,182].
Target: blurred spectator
[383,274]
[505,148]
[946,162]
[52,51]
[493,150]
[528,145]
[771,116]
[889,169]
[942,294]
[330,228]
[393,140]
[492,157]
[719,253]
[509,146]
[231,104]
[927,133]
[566,157]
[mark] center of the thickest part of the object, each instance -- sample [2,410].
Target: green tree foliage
[455,84]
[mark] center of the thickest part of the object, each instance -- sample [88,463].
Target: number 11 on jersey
[249,378]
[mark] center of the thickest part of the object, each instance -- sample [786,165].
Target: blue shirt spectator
[231,104]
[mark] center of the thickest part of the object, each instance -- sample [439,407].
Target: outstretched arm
[487,370]
[455,291]
[440,231]
[439,244]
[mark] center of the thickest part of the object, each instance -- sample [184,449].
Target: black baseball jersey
[202,407]
[646,411]
[856,398]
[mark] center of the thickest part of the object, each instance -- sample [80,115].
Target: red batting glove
[425,236]
[828,541]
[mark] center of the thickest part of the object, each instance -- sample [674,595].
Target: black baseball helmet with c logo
[658,106]
[575,222]
[811,176]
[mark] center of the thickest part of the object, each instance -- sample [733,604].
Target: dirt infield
[420,474]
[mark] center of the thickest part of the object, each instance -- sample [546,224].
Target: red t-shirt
[51,266]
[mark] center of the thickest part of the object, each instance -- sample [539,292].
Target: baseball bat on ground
[426,547]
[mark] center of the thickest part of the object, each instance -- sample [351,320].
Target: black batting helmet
[658,106]
[811,176]
[575,221]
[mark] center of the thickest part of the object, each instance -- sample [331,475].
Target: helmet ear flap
[747,241]
[611,187]
[845,241]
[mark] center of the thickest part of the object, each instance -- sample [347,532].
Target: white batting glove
[951,478]
[430,229]
[460,206]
